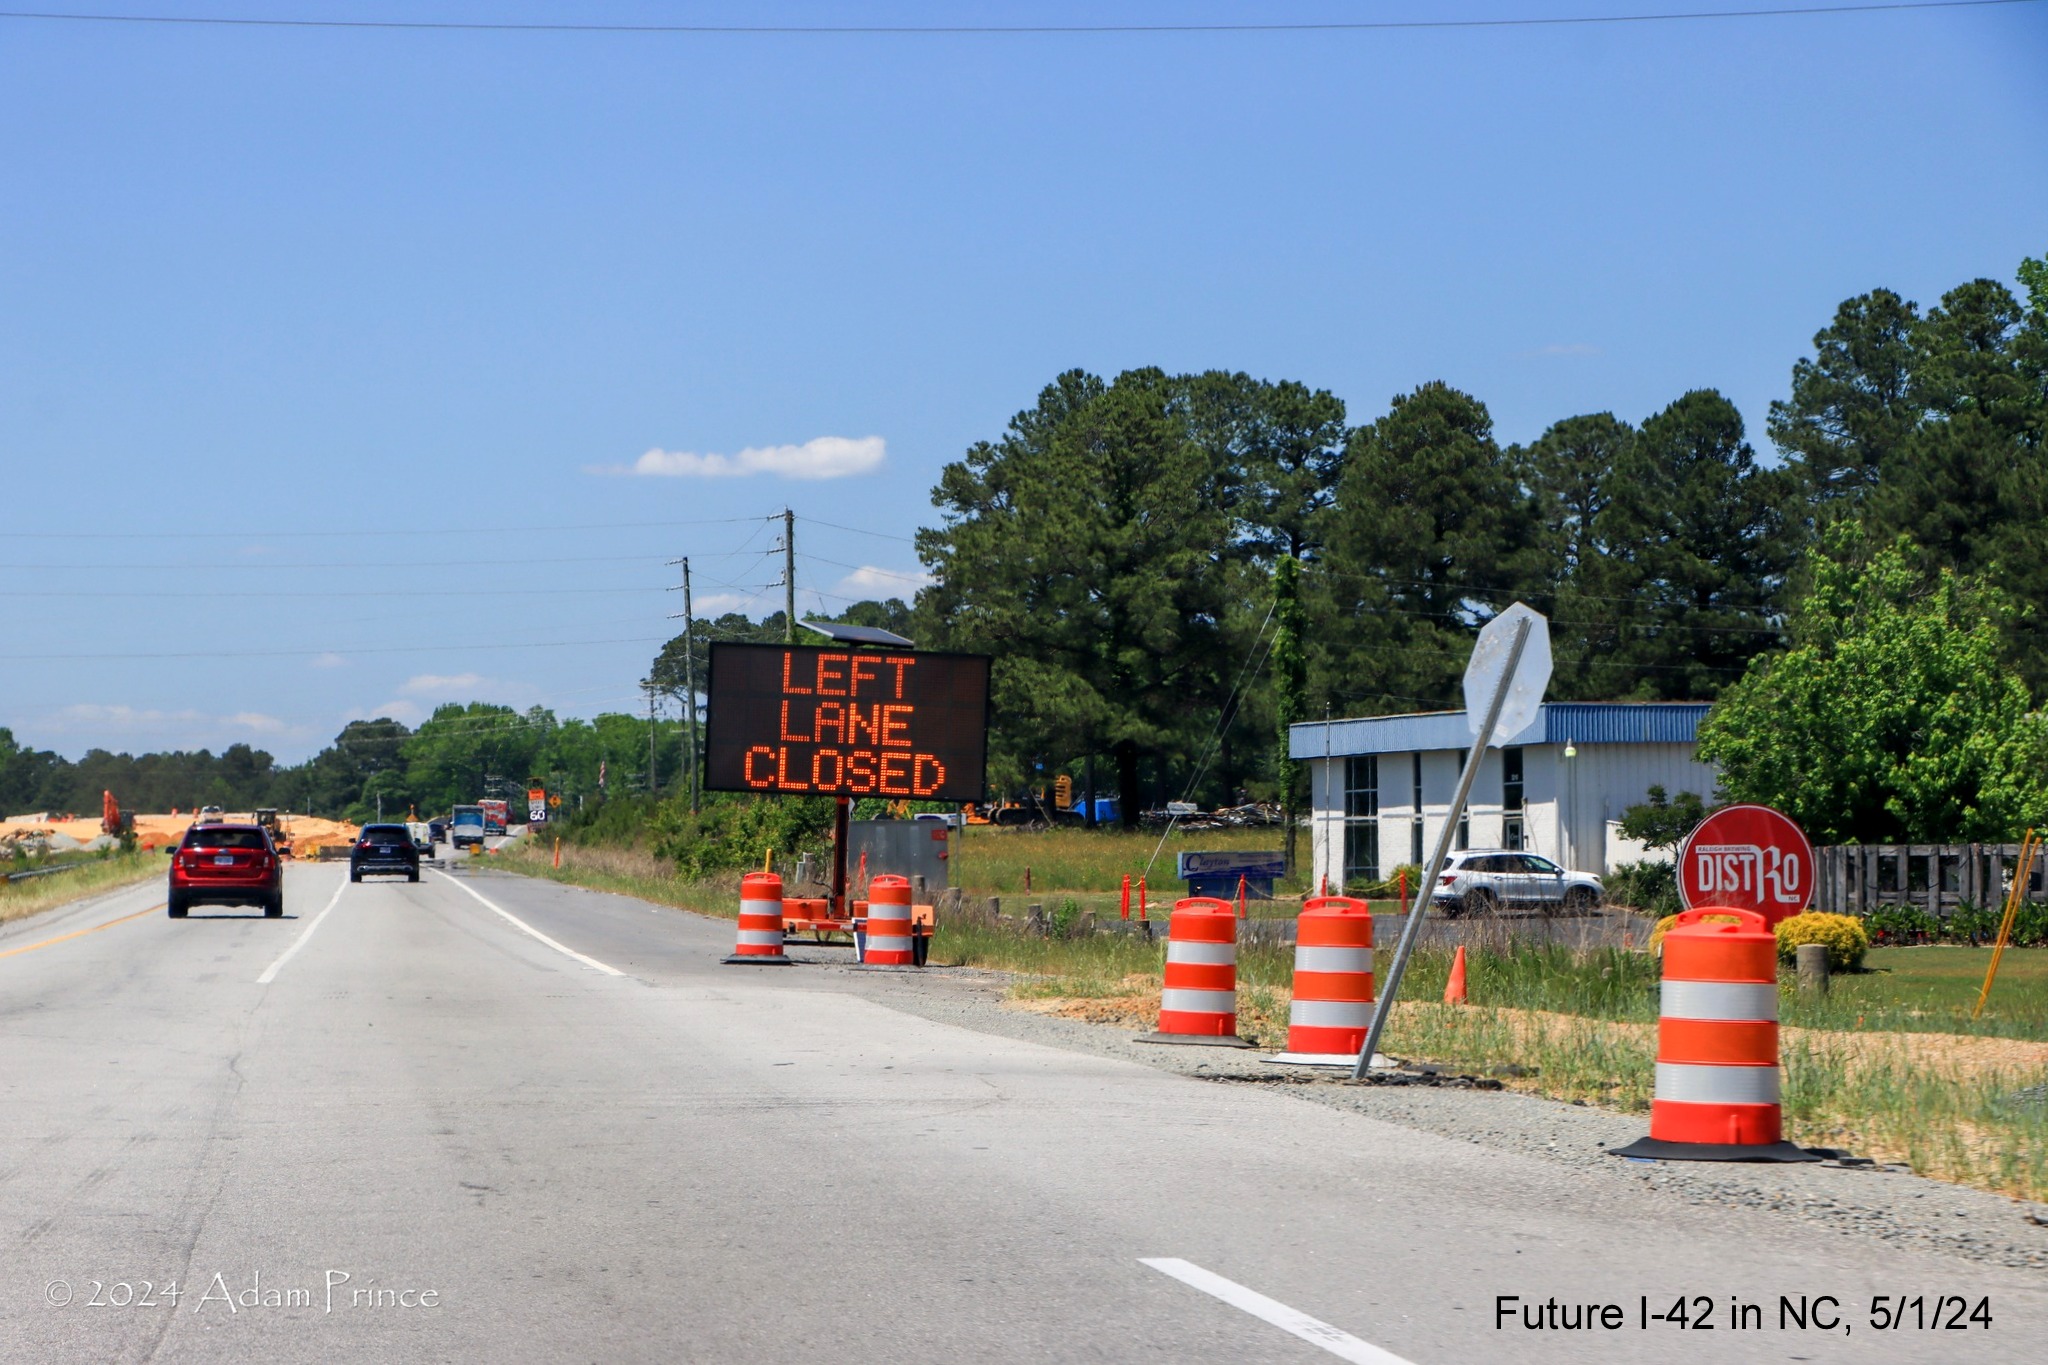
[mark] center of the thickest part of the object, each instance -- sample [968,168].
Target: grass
[19,900]
[1089,866]
[1889,1065]
[626,871]
[1933,990]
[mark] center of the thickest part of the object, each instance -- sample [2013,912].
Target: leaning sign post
[1504,685]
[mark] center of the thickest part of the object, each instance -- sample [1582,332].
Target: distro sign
[810,721]
[1747,858]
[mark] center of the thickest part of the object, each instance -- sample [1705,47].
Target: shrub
[1664,927]
[1390,886]
[1971,923]
[736,831]
[1065,917]
[1649,887]
[1897,924]
[1842,935]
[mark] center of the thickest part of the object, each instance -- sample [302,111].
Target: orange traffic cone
[1454,989]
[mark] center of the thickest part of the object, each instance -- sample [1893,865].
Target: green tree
[1081,550]
[1663,821]
[1695,547]
[1429,537]
[1852,405]
[1570,472]
[1280,449]
[466,751]
[1893,718]
[1950,489]
[1290,687]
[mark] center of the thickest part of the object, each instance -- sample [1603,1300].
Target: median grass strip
[1889,1065]
[1570,1024]
[92,875]
[626,871]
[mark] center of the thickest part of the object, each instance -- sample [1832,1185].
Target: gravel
[1856,1199]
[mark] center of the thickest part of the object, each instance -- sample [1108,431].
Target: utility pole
[649,685]
[689,685]
[788,576]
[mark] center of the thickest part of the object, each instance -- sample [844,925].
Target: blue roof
[1610,722]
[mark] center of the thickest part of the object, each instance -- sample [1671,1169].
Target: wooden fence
[1858,878]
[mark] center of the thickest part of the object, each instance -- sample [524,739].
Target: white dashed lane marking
[1315,1331]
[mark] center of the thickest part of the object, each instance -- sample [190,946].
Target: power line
[266,566]
[862,531]
[344,650]
[919,579]
[423,531]
[993,30]
[239,594]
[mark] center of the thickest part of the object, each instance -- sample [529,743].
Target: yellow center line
[79,933]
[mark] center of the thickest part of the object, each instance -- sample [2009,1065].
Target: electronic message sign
[801,720]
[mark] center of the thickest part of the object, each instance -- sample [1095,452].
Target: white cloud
[405,712]
[718,603]
[92,713]
[455,686]
[826,457]
[329,660]
[869,581]
[149,727]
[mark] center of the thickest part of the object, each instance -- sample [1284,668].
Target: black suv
[384,851]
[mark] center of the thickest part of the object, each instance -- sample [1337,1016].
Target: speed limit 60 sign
[1747,858]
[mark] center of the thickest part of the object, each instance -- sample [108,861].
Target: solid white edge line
[1335,1340]
[270,972]
[526,928]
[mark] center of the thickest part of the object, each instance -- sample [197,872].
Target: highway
[487,1118]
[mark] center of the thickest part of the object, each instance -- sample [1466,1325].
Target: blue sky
[263,291]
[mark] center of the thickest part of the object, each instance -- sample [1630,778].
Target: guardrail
[42,872]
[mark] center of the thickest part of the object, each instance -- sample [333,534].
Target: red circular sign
[1747,858]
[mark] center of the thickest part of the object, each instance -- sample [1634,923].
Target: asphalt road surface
[484,1118]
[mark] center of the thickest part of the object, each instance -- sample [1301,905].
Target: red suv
[226,865]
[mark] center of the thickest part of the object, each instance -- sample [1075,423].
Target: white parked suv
[1481,880]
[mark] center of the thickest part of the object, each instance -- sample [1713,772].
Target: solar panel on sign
[857,635]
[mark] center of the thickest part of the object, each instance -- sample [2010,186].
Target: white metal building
[1381,786]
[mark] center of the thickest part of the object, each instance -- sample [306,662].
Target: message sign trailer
[846,721]
[1747,858]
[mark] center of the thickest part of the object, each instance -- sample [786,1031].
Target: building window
[1415,801]
[1362,787]
[1361,851]
[1361,818]
[1511,798]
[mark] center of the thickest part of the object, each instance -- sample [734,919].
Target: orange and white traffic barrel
[760,934]
[1717,1093]
[1199,1003]
[1333,1002]
[888,923]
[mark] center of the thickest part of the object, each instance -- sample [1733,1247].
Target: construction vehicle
[273,820]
